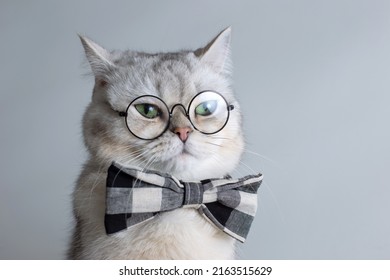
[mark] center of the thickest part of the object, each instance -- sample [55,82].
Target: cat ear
[217,52]
[98,57]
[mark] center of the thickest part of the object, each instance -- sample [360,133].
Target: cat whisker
[217,157]
[219,137]
[97,179]
[135,156]
[215,144]
[267,186]
[259,155]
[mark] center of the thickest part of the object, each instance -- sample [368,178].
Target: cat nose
[182,132]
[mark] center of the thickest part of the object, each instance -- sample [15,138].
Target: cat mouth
[178,154]
[183,153]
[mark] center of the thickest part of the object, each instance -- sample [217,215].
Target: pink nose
[182,132]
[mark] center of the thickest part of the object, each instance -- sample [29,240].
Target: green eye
[148,110]
[206,108]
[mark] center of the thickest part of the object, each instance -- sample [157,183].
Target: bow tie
[134,196]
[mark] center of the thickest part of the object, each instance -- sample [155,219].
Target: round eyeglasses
[148,117]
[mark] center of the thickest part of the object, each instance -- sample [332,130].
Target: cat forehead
[174,77]
[153,60]
[167,73]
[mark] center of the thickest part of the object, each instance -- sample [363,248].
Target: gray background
[313,78]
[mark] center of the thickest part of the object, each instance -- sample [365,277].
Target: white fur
[176,78]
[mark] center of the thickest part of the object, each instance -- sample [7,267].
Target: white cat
[181,150]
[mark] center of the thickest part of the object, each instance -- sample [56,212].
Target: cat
[181,150]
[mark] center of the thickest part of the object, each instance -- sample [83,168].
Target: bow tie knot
[134,196]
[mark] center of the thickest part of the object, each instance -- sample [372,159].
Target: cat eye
[206,108]
[148,110]
[147,117]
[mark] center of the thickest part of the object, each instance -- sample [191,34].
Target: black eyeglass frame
[229,108]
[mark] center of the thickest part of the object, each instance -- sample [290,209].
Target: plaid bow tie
[135,196]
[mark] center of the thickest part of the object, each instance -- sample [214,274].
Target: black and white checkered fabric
[135,196]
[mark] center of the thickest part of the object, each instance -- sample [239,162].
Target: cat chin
[188,168]
[182,166]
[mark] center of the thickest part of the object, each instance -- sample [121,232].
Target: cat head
[182,149]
